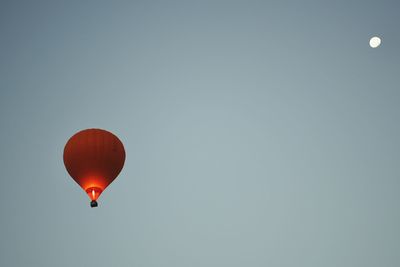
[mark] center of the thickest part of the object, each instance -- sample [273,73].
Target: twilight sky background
[258,133]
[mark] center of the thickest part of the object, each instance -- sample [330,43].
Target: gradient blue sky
[258,133]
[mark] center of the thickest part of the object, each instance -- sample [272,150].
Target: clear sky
[257,133]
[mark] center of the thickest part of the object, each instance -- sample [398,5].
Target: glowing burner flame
[94,192]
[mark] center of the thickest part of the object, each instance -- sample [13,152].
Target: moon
[374,42]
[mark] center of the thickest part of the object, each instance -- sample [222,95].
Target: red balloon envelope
[94,158]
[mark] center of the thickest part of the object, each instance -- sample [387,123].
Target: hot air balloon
[94,158]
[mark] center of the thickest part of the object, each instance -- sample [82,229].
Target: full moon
[375,41]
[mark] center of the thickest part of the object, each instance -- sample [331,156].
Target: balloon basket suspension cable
[93,204]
